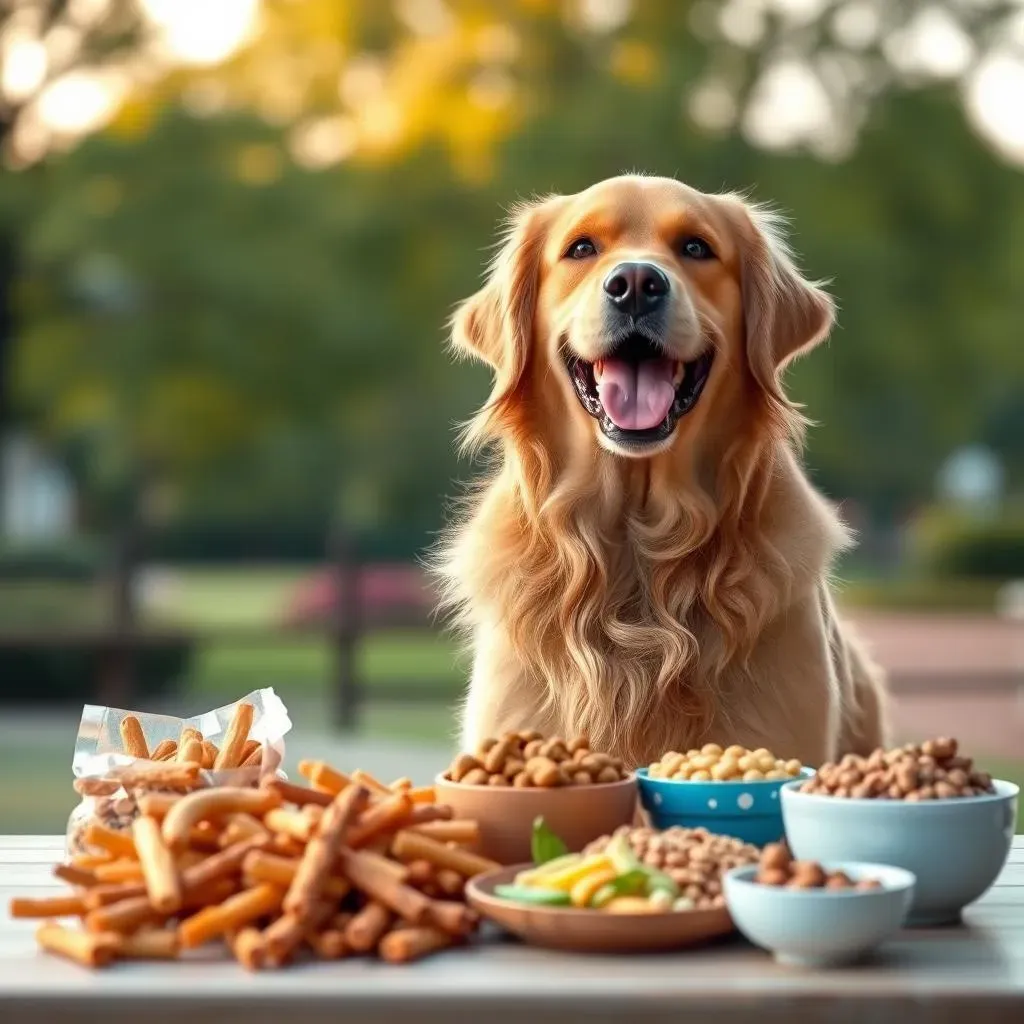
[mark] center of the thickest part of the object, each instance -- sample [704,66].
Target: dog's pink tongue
[636,396]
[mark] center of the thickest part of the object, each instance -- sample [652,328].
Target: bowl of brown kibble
[510,781]
[925,808]
[817,914]
[730,790]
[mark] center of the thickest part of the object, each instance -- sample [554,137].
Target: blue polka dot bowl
[750,811]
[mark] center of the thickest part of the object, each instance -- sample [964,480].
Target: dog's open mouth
[637,393]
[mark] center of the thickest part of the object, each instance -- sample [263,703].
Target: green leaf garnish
[545,845]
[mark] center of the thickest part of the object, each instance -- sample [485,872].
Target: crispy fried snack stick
[81,947]
[50,906]
[213,803]
[149,944]
[302,796]
[368,927]
[405,944]
[319,858]
[133,739]
[159,871]
[410,845]
[235,738]
[232,914]
[386,816]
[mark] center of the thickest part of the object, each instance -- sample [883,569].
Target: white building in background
[38,498]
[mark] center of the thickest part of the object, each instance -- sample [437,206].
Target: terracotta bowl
[577,814]
[591,931]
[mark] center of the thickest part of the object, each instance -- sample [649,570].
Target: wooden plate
[592,931]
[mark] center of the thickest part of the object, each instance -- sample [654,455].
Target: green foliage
[39,674]
[268,341]
[69,561]
[949,545]
[913,593]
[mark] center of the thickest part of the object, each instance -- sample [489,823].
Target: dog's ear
[496,324]
[785,314]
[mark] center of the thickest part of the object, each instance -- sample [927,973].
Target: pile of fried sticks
[342,866]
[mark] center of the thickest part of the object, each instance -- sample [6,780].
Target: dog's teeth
[678,373]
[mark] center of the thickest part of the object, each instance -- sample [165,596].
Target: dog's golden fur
[660,602]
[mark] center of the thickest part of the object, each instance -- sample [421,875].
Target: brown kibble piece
[772,876]
[476,777]
[809,873]
[776,856]
[839,880]
[499,754]
[544,772]
[462,766]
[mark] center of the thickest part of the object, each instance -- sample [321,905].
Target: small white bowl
[820,927]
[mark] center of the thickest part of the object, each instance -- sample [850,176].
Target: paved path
[960,675]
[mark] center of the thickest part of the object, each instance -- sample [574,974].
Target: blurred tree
[261,320]
[46,47]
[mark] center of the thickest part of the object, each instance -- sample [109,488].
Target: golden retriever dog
[647,564]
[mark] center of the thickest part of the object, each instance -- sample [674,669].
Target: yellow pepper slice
[632,905]
[570,876]
[583,891]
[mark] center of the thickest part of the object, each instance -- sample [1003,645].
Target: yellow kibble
[702,761]
[711,748]
[753,775]
[793,767]
[746,763]
[735,752]
[766,764]
[725,770]
[776,774]
[701,775]
[682,773]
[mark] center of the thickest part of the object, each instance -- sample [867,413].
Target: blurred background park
[231,232]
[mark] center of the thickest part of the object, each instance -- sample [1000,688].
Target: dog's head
[638,314]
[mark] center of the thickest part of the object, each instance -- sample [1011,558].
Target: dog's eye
[581,249]
[696,249]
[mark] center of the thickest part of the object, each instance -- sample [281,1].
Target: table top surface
[920,975]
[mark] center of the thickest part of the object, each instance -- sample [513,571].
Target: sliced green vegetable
[632,883]
[622,855]
[545,845]
[533,876]
[658,881]
[626,862]
[532,894]
[603,896]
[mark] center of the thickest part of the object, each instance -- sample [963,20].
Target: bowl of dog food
[812,914]
[509,782]
[637,889]
[924,808]
[733,791]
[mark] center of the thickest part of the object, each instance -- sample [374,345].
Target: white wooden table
[972,974]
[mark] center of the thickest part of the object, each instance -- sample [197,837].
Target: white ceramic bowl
[954,848]
[820,927]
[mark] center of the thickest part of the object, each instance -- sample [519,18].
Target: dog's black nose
[636,288]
